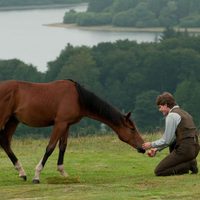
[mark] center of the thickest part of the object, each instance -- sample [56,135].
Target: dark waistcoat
[186,127]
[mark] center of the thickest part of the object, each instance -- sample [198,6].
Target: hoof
[23,177]
[36,181]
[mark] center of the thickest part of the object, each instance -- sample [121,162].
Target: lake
[25,36]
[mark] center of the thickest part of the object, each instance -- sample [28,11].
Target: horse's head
[129,134]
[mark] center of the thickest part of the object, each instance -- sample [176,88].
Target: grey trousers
[180,160]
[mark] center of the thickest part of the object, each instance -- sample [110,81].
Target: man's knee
[161,171]
[158,172]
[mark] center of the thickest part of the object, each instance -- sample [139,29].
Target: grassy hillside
[99,168]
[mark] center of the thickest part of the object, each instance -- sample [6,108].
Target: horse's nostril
[141,150]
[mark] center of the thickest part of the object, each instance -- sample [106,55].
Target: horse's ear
[128,115]
[128,120]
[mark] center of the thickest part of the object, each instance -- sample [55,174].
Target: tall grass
[99,167]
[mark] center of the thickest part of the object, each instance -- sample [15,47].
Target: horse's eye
[133,129]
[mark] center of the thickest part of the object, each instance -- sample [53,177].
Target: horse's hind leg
[5,142]
[59,130]
[62,148]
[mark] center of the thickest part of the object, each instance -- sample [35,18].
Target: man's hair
[166,98]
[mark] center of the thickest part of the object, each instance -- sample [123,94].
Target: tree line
[137,13]
[126,74]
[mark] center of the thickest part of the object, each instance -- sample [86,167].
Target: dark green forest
[126,74]
[138,13]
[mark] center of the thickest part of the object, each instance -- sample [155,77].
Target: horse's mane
[94,104]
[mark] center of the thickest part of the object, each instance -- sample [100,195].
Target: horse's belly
[35,118]
[35,122]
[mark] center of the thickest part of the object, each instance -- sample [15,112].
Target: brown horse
[61,104]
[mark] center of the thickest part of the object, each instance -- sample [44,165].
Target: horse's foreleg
[5,141]
[58,130]
[62,149]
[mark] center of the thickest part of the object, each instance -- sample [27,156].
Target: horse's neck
[103,120]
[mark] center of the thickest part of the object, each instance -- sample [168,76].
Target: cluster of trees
[127,74]
[137,13]
[9,3]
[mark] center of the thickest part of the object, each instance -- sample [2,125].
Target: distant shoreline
[105,28]
[119,29]
[33,7]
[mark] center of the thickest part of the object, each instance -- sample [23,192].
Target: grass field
[100,168]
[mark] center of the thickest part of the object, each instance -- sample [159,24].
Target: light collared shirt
[171,122]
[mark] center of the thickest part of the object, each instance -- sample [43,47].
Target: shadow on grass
[63,180]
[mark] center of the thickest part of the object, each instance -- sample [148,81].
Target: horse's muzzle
[141,150]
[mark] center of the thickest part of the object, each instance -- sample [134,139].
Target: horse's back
[37,90]
[43,91]
[39,104]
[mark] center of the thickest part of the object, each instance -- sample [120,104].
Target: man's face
[164,109]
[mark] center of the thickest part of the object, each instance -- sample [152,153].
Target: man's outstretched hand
[152,152]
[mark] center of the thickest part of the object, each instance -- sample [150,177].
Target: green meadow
[99,168]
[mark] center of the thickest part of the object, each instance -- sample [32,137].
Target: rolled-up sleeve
[171,122]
